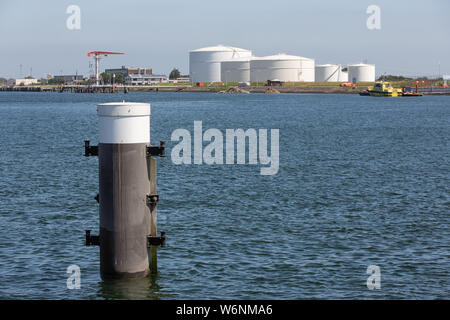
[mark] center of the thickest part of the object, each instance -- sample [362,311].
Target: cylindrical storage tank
[343,76]
[236,70]
[124,134]
[282,67]
[205,63]
[361,72]
[328,72]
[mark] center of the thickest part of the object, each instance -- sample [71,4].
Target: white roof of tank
[219,48]
[327,65]
[361,65]
[281,56]
[123,109]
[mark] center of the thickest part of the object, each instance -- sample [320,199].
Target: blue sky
[413,39]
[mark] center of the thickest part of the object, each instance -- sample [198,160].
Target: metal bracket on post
[152,199]
[89,150]
[157,151]
[92,240]
[157,241]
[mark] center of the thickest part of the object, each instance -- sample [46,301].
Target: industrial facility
[282,67]
[230,64]
[130,71]
[330,73]
[236,70]
[361,72]
[145,79]
[22,82]
[71,78]
[205,63]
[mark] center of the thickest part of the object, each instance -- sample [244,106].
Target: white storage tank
[343,76]
[361,72]
[330,73]
[205,63]
[236,70]
[282,67]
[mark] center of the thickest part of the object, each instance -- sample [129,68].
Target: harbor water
[362,181]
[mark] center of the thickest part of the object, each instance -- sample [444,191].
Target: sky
[413,38]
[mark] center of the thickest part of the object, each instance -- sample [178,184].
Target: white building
[343,77]
[282,67]
[205,63]
[361,72]
[330,73]
[145,79]
[236,70]
[21,82]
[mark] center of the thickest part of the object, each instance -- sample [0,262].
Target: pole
[439,70]
[124,182]
[127,191]
[97,79]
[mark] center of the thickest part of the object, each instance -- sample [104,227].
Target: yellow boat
[384,89]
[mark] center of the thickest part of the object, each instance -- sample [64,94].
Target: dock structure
[127,195]
[66,88]
[93,89]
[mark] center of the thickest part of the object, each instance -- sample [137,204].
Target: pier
[67,88]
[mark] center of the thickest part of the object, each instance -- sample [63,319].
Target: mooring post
[127,191]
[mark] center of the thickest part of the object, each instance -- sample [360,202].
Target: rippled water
[362,181]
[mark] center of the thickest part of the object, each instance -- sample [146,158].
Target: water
[362,181]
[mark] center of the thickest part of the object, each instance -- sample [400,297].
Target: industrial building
[205,63]
[145,79]
[236,70]
[128,71]
[230,64]
[343,77]
[282,67]
[69,78]
[330,73]
[21,82]
[361,72]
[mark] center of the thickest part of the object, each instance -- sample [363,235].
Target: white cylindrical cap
[124,122]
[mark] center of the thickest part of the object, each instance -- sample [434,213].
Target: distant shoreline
[252,89]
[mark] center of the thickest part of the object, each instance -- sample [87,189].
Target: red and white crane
[97,55]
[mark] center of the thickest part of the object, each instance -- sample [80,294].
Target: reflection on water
[135,289]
